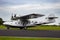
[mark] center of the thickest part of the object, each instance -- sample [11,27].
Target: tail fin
[51,18]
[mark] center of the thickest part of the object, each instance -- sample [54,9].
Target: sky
[23,7]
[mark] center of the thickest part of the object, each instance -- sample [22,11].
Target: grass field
[41,27]
[26,38]
[46,27]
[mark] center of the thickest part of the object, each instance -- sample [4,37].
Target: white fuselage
[18,23]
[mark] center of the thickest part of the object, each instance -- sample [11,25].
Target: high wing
[29,16]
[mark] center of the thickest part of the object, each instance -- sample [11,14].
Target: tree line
[1,21]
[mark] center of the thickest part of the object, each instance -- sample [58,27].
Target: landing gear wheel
[8,27]
[25,28]
[21,28]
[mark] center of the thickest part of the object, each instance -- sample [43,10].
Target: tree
[1,21]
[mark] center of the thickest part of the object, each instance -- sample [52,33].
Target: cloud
[34,6]
[30,8]
[43,8]
[21,2]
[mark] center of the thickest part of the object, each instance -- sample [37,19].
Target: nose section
[4,23]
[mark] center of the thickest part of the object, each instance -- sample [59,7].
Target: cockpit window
[35,22]
[18,22]
[15,22]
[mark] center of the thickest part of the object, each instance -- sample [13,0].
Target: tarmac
[30,33]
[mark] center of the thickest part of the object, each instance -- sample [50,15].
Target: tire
[25,28]
[8,27]
[21,28]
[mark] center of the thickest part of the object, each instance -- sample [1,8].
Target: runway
[30,33]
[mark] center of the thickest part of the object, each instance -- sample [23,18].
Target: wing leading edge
[29,16]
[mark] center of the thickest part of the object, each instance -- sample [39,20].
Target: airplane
[23,22]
